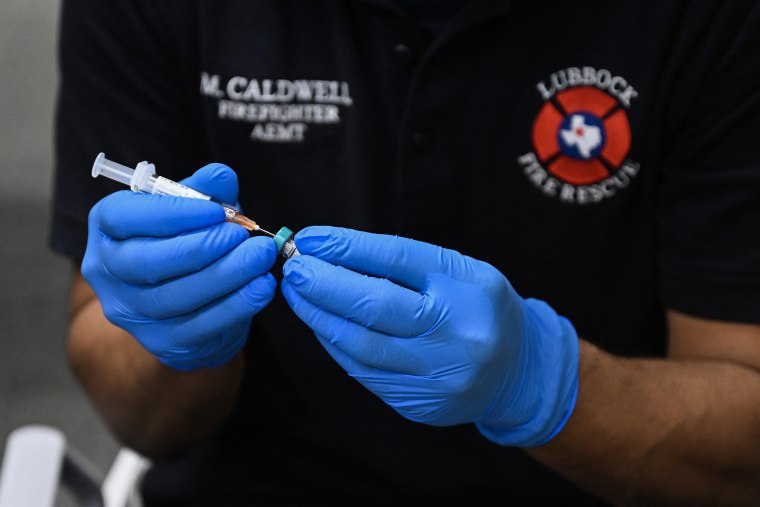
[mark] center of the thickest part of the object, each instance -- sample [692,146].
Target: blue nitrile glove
[442,338]
[174,274]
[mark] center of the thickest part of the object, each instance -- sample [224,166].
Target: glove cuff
[551,378]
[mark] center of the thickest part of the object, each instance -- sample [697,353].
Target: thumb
[216,180]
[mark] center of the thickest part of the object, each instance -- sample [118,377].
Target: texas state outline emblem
[581,136]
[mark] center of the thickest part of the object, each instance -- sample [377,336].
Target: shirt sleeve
[709,216]
[128,88]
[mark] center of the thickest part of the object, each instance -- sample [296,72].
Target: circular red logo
[583,137]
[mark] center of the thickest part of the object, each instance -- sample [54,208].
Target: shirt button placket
[422,140]
[403,55]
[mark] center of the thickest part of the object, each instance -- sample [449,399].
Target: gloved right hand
[175,275]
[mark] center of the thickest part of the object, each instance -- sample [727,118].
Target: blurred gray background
[36,386]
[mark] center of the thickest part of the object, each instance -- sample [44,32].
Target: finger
[222,317]
[214,352]
[418,397]
[405,261]
[178,296]
[150,260]
[376,303]
[216,180]
[128,214]
[366,347]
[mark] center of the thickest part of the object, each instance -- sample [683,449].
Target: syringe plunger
[112,170]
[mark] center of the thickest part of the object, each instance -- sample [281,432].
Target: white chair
[38,461]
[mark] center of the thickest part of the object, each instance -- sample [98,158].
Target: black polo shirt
[602,155]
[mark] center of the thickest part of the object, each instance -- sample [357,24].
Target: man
[596,163]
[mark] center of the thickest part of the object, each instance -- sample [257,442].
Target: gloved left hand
[171,271]
[442,338]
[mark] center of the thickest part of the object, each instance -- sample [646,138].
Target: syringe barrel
[165,186]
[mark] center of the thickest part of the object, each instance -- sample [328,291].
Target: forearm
[152,408]
[662,431]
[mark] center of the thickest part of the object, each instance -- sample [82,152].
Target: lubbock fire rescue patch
[581,136]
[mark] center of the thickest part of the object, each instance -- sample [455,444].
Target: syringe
[143,179]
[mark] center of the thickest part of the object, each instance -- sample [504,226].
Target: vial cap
[282,236]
